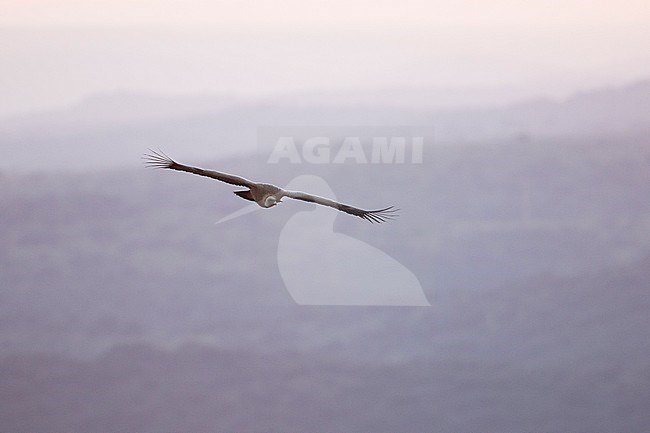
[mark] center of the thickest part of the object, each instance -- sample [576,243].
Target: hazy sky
[57,52]
[252,14]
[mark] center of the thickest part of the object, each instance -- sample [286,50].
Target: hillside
[533,257]
[111,131]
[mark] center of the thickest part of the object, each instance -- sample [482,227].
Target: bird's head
[270,201]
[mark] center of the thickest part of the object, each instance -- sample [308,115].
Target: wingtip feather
[381,215]
[157,159]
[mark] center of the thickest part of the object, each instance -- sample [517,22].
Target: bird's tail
[247,195]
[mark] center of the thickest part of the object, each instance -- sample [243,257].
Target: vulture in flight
[264,194]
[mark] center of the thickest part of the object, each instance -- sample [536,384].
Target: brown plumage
[264,194]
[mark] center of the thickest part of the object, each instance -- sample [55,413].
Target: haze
[525,222]
[57,53]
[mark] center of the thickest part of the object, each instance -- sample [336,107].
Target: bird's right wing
[374,216]
[157,159]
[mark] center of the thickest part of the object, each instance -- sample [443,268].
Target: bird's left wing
[374,216]
[157,159]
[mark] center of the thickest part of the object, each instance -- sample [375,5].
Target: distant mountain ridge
[606,110]
[107,131]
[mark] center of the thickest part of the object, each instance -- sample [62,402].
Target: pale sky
[324,14]
[56,52]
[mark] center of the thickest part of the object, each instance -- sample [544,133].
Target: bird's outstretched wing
[157,159]
[374,216]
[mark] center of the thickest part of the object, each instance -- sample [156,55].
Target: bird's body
[264,194]
[260,193]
